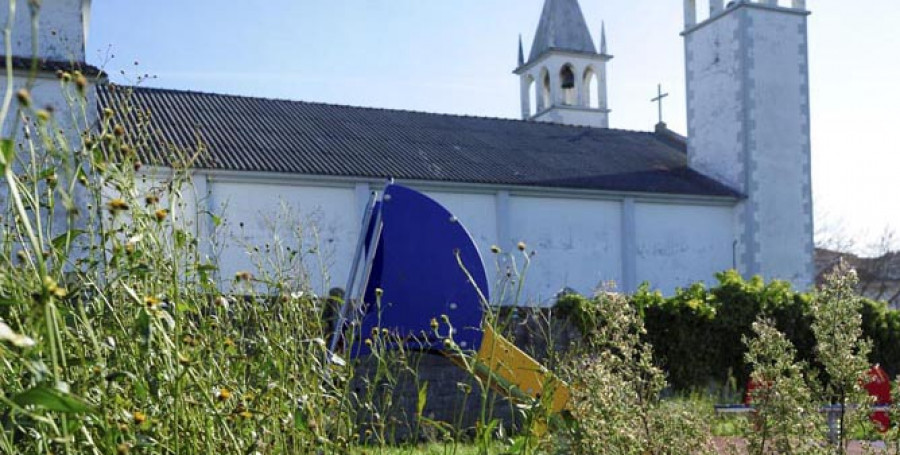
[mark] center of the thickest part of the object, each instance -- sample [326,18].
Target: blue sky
[457,57]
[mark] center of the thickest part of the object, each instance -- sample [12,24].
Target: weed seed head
[24,97]
[117,205]
[495,249]
[521,246]
[138,417]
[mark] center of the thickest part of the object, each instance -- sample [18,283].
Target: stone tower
[749,126]
[564,78]
[62,29]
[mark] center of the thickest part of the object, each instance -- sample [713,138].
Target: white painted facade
[748,126]
[62,29]
[582,240]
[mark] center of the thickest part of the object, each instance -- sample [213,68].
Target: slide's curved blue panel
[416,267]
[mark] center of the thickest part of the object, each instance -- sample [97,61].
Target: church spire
[603,38]
[562,27]
[521,52]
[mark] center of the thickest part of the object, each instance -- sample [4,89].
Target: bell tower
[749,126]
[62,28]
[564,78]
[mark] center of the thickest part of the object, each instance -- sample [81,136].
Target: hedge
[697,333]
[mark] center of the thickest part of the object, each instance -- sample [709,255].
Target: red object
[879,386]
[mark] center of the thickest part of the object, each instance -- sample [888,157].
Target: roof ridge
[368,108]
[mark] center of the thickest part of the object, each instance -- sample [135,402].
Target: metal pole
[354,268]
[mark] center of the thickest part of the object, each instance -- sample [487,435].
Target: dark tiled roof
[25,63]
[256,134]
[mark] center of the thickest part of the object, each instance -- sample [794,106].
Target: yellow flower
[24,97]
[434,324]
[151,302]
[117,205]
[161,214]
[224,394]
[139,417]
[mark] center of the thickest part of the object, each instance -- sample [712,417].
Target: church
[595,204]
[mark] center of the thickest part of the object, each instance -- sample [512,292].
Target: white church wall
[748,126]
[715,117]
[677,245]
[780,146]
[478,213]
[580,241]
[319,222]
[577,243]
[64,19]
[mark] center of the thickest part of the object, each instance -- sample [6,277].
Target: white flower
[18,340]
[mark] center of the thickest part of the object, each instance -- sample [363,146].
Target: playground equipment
[417,274]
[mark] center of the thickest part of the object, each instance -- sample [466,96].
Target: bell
[568,78]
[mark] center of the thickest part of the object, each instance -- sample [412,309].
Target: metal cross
[659,99]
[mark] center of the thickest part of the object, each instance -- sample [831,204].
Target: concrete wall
[748,126]
[581,241]
[62,25]
[678,245]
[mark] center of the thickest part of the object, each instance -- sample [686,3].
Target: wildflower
[107,112]
[117,205]
[123,448]
[151,199]
[151,302]
[137,166]
[521,246]
[24,97]
[243,276]
[183,359]
[52,179]
[43,115]
[119,130]
[80,83]
[223,394]
[228,342]
[369,342]
[138,417]
[448,343]
[379,292]
[434,324]
[495,249]
[161,214]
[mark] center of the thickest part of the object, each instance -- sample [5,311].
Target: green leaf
[423,398]
[51,400]
[216,220]
[7,153]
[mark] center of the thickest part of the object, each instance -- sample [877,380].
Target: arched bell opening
[567,84]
